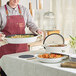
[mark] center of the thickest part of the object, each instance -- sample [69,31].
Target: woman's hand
[39,31]
[1,36]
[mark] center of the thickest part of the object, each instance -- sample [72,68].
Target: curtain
[65,14]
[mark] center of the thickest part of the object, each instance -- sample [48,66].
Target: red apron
[15,25]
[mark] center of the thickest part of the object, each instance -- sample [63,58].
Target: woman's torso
[11,12]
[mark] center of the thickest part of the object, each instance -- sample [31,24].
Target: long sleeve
[0,21]
[30,23]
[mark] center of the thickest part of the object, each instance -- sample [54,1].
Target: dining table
[12,65]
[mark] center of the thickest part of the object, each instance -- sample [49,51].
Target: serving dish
[13,39]
[51,60]
[54,43]
[72,57]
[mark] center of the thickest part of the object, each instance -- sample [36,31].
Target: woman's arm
[30,22]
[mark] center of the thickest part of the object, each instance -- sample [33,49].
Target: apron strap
[19,9]
[7,10]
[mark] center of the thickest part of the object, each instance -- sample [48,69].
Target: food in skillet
[20,36]
[51,55]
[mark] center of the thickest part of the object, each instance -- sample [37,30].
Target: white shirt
[25,12]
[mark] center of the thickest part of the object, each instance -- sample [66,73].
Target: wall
[47,5]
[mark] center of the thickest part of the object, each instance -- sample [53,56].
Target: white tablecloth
[14,66]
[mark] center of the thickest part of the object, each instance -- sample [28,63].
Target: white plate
[50,60]
[21,40]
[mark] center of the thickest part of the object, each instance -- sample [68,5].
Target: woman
[13,20]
